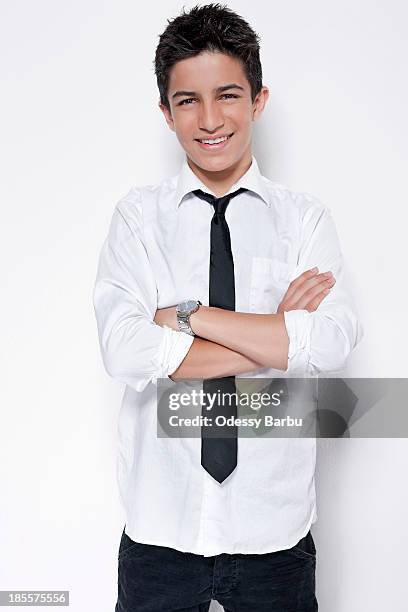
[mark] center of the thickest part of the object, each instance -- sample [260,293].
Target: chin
[216,164]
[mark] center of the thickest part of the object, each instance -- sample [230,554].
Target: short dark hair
[212,27]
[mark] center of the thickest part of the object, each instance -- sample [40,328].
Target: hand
[307,291]
[167,316]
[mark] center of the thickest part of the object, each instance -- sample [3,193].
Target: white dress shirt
[157,254]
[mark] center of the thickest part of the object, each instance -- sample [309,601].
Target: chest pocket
[270,279]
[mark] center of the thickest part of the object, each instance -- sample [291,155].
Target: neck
[220,181]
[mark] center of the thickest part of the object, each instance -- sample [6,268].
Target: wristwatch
[183,311]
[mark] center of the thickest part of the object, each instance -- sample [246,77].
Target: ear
[167,116]
[259,103]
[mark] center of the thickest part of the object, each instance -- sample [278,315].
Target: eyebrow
[216,90]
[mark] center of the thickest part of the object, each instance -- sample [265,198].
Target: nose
[210,118]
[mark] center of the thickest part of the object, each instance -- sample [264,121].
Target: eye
[183,101]
[187,101]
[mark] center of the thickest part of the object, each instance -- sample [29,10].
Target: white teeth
[214,141]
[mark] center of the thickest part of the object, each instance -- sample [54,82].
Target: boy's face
[203,112]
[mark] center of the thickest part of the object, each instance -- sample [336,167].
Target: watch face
[187,306]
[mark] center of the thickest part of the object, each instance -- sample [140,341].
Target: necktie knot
[220,204]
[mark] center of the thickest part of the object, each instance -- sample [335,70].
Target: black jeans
[160,579]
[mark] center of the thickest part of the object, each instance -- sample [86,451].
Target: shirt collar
[187,181]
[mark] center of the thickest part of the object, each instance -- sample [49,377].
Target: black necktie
[219,442]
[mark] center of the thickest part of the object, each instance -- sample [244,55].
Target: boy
[212,274]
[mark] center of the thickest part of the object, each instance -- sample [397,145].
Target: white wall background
[79,125]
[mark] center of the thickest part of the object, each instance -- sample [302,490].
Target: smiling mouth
[213,141]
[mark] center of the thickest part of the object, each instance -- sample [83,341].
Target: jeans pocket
[305,548]
[129,547]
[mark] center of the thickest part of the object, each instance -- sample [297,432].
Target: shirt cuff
[298,326]
[175,347]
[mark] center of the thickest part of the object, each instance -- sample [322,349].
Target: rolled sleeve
[135,350]
[174,348]
[298,325]
[321,341]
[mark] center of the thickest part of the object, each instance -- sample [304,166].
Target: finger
[308,274]
[315,303]
[310,284]
[296,290]
[311,293]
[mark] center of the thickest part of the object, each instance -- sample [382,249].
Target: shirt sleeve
[135,350]
[321,341]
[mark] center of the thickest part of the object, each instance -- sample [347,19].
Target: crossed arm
[230,343]
[140,343]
